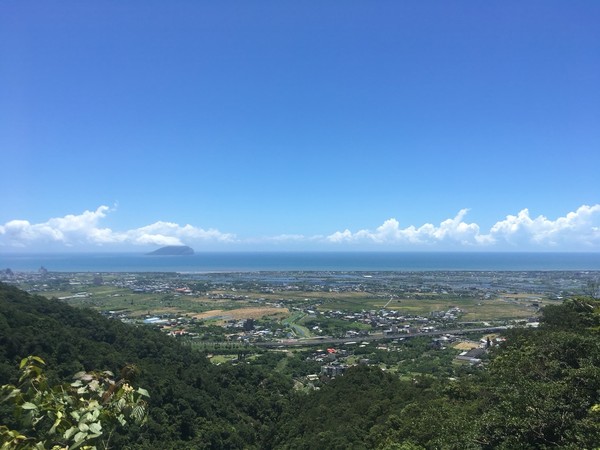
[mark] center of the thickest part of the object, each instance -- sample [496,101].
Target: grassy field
[294,321]
[263,305]
[474,309]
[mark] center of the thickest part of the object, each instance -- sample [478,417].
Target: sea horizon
[272,260]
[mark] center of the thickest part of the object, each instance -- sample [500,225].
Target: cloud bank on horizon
[83,229]
[578,230]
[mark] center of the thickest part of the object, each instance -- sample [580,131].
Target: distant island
[173,250]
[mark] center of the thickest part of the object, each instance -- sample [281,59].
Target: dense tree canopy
[193,403]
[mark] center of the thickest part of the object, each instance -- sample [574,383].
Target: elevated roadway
[371,337]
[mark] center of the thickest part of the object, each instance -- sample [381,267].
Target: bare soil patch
[244,313]
[466,345]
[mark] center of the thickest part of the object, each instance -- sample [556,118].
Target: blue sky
[300,125]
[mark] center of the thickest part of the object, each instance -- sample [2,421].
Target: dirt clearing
[243,313]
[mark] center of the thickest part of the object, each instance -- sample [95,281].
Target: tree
[544,384]
[83,413]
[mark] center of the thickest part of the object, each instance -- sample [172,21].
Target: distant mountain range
[173,250]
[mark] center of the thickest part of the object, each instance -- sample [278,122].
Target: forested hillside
[540,390]
[193,404]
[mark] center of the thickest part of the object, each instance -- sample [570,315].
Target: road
[371,337]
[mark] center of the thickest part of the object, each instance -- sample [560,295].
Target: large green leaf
[96,427]
[143,392]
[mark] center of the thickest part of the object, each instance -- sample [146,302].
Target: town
[326,320]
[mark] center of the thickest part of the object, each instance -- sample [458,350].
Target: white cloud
[67,230]
[341,236]
[576,230]
[580,228]
[72,230]
[453,230]
[169,233]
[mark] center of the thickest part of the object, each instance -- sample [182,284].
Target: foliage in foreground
[84,413]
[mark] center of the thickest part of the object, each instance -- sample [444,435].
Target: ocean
[301,261]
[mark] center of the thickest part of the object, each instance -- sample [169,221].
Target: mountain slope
[193,404]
